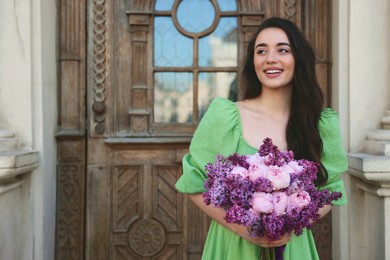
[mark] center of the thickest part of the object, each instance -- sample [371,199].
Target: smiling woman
[273,59]
[137,86]
[283,101]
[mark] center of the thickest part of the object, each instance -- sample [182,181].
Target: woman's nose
[272,57]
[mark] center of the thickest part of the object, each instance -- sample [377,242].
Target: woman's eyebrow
[278,44]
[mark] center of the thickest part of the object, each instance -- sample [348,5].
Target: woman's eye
[261,51]
[283,51]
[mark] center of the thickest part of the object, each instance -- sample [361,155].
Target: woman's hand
[262,241]
[218,215]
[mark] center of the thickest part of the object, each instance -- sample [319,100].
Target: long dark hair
[302,132]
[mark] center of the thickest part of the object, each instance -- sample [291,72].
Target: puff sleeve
[217,133]
[333,155]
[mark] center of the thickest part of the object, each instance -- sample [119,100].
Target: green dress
[220,132]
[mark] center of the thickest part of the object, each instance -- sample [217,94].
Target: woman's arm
[218,215]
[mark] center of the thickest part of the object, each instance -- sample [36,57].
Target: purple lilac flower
[240,215]
[234,193]
[238,160]
[274,225]
[262,185]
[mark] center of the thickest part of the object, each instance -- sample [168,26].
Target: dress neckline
[241,127]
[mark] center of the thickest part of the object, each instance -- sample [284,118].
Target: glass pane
[219,49]
[216,84]
[195,15]
[227,5]
[173,97]
[171,49]
[163,5]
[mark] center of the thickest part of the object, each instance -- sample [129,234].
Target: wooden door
[136,77]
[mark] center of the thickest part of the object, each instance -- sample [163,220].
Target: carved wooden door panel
[136,78]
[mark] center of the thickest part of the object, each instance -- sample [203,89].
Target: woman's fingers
[265,242]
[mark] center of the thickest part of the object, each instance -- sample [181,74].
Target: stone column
[16,241]
[369,205]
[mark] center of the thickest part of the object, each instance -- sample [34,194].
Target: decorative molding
[127,196]
[142,5]
[146,237]
[250,6]
[99,66]
[167,204]
[290,9]
[71,132]
[70,31]
[139,24]
[69,212]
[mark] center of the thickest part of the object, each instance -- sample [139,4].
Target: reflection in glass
[163,5]
[195,15]
[220,48]
[227,5]
[171,49]
[173,97]
[216,84]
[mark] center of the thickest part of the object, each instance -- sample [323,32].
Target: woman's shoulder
[328,112]
[220,121]
[222,109]
[220,103]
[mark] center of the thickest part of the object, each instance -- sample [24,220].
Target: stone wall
[16,241]
[28,97]
[361,94]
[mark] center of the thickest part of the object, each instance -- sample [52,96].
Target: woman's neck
[274,102]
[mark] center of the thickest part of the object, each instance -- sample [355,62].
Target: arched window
[194,60]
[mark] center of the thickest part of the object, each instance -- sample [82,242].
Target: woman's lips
[273,72]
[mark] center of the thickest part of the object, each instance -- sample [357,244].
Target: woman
[283,101]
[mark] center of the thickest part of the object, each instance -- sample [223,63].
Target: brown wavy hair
[302,133]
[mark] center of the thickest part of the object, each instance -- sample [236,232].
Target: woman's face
[273,59]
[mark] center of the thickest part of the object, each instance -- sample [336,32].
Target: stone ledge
[16,159]
[369,163]
[373,172]
[6,174]
[13,166]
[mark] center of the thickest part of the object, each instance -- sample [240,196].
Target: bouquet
[269,192]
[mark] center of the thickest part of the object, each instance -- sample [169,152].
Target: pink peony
[299,199]
[279,179]
[294,165]
[260,171]
[255,160]
[280,202]
[262,202]
[240,171]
